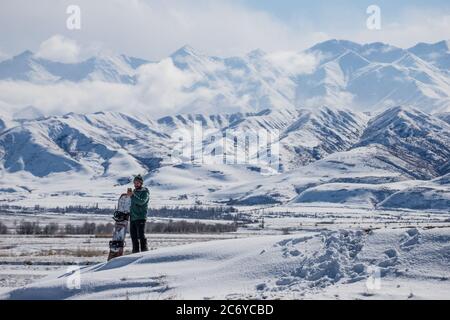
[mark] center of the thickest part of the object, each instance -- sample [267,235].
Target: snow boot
[144,245]
[135,246]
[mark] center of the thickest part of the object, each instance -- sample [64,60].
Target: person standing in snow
[140,198]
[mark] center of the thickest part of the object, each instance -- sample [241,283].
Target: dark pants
[137,232]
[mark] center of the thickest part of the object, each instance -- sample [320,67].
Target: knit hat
[139,178]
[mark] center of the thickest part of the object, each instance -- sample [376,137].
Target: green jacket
[139,204]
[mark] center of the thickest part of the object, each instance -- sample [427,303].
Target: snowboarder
[140,198]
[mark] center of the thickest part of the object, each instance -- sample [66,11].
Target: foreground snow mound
[337,260]
[304,265]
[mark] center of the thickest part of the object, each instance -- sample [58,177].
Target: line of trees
[91,228]
[189,227]
[91,209]
[176,212]
[195,212]
[51,229]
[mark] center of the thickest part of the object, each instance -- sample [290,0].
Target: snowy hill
[413,136]
[368,168]
[311,265]
[434,194]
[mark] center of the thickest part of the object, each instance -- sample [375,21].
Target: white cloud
[3,56]
[59,48]
[153,29]
[67,97]
[160,91]
[413,25]
[293,62]
[164,85]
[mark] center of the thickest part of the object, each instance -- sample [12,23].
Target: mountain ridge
[368,125]
[363,77]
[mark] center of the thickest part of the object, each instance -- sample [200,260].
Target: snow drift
[304,265]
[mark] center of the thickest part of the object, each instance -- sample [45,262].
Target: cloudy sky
[154,29]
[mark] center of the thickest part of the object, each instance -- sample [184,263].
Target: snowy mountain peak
[184,51]
[379,46]
[27,54]
[28,113]
[406,121]
[437,53]
[381,52]
[336,46]
[374,52]
[103,67]
[256,54]
[186,58]
[351,61]
[410,60]
[133,61]
[441,46]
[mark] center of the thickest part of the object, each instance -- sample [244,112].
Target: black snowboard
[121,218]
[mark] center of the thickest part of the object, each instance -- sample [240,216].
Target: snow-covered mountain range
[366,125]
[27,67]
[338,73]
[326,155]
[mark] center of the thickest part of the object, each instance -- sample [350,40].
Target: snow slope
[304,265]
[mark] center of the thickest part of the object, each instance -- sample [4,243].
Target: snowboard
[121,218]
